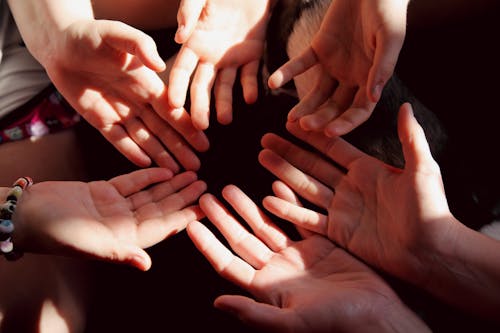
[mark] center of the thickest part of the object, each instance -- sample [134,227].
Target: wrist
[42,22]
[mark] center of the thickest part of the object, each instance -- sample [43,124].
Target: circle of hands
[358,198]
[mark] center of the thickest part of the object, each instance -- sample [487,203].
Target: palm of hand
[110,87]
[314,277]
[343,47]
[229,34]
[132,211]
[366,213]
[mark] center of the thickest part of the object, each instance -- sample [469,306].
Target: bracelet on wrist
[7,209]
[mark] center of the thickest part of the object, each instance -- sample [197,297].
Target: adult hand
[107,220]
[393,219]
[309,285]
[107,72]
[358,45]
[219,38]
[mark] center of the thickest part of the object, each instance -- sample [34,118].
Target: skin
[309,285]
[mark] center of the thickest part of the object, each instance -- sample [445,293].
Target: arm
[106,220]
[107,71]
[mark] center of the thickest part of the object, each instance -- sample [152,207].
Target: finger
[262,316]
[162,190]
[304,185]
[284,192]
[292,68]
[261,225]
[416,149]
[131,255]
[308,162]
[248,79]
[180,120]
[338,150]
[314,99]
[338,103]
[125,145]
[360,110]
[130,40]
[142,135]
[246,245]
[136,181]
[318,120]
[299,216]
[155,230]
[386,55]
[180,75]
[171,139]
[188,15]
[201,89]
[222,260]
[103,116]
[224,94]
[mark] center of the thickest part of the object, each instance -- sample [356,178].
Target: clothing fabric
[21,76]
[30,106]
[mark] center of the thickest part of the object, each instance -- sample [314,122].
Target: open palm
[370,208]
[219,37]
[108,220]
[309,285]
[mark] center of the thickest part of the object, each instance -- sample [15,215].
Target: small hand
[358,45]
[219,38]
[107,220]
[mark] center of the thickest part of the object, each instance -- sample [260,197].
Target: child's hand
[107,220]
[219,38]
[107,71]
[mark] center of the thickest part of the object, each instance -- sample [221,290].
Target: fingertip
[275,80]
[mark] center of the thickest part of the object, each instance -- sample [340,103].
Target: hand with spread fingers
[107,70]
[107,220]
[219,38]
[357,45]
[396,220]
[310,285]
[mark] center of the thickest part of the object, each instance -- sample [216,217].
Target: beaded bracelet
[6,211]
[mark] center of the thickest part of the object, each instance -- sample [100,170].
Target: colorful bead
[6,226]
[6,211]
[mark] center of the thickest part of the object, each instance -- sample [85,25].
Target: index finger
[338,150]
[292,68]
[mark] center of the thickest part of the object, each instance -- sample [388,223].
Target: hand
[219,37]
[393,219]
[305,286]
[107,220]
[107,72]
[358,45]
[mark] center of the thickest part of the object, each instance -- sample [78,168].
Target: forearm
[40,21]
[467,275]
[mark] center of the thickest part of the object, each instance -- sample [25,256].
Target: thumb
[131,255]
[133,41]
[384,62]
[260,315]
[416,149]
[187,16]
